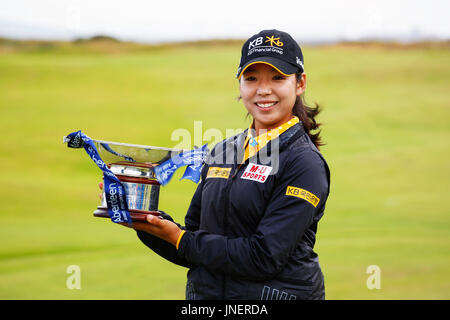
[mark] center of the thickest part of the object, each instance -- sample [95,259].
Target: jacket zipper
[227,202]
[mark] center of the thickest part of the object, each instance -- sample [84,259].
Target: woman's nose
[263,89]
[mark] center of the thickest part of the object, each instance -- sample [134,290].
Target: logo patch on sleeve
[217,172]
[302,194]
[256,172]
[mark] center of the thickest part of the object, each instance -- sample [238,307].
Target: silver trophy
[132,164]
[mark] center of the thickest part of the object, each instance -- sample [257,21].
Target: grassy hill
[386,124]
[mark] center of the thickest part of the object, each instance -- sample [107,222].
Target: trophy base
[136,215]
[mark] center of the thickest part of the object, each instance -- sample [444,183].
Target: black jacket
[253,238]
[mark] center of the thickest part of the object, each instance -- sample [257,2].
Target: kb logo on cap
[275,41]
[259,41]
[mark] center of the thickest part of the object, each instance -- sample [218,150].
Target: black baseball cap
[275,48]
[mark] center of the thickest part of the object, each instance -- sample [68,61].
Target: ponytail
[307,115]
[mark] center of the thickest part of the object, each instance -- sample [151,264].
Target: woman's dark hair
[307,115]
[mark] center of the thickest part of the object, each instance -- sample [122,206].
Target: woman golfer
[251,226]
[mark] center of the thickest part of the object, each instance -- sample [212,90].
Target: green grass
[386,124]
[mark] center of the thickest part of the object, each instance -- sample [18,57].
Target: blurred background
[135,72]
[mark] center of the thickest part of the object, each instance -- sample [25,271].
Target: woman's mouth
[265,105]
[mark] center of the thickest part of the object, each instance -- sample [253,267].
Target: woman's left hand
[164,229]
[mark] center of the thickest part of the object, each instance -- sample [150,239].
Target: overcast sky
[173,20]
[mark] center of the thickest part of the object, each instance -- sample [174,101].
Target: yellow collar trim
[253,144]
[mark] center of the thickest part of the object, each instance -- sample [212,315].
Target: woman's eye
[279,77]
[250,78]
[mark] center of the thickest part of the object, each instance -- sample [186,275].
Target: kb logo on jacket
[256,172]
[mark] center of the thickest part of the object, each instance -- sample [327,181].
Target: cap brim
[281,66]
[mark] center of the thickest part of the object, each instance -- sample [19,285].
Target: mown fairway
[386,124]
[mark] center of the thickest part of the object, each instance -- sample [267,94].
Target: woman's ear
[301,85]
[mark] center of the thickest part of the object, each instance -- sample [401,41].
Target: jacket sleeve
[164,248]
[299,194]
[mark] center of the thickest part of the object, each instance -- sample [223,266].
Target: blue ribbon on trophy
[193,159]
[115,193]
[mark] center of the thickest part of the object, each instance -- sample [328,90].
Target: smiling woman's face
[269,96]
